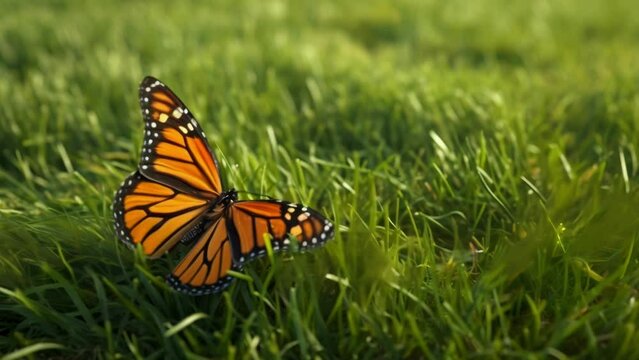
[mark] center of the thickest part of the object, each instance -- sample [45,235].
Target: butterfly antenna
[255,194]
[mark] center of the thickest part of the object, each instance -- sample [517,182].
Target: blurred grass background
[479,158]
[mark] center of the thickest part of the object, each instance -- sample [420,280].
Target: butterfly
[177,195]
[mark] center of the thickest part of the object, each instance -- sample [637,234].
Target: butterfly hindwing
[281,221]
[154,215]
[175,151]
[238,235]
[204,269]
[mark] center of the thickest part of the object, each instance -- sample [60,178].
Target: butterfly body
[216,209]
[177,196]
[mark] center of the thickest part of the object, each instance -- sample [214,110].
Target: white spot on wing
[177,113]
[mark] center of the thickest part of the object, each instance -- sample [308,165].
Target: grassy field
[480,159]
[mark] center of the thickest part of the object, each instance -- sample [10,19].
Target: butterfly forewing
[281,221]
[154,215]
[175,151]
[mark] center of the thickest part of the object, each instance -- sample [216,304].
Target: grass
[480,160]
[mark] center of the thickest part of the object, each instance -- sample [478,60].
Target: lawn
[480,161]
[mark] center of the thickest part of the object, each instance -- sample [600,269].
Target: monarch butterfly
[177,195]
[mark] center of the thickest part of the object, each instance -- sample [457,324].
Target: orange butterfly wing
[155,215]
[281,221]
[175,151]
[237,236]
[204,269]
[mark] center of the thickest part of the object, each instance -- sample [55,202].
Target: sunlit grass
[479,160]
